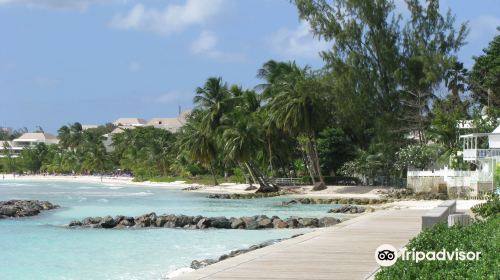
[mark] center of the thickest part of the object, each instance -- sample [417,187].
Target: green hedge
[481,237]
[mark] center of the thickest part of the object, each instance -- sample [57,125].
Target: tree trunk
[251,174]
[321,184]
[307,164]
[213,174]
[270,155]
[265,187]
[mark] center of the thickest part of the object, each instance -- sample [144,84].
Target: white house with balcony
[13,148]
[481,149]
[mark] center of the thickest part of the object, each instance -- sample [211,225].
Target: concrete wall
[425,184]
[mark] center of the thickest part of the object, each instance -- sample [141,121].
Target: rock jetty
[23,208]
[200,222]
[202,263]
[357,201]
[348,209]
[244,195]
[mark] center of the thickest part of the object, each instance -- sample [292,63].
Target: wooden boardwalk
[345,251]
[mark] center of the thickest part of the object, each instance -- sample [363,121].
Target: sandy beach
[233,188]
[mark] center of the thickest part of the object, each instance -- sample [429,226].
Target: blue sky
[96,60]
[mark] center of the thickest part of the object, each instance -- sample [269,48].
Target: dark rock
[199,264]
[327,221]
[203,223]
[237,223]
[265,223]
[350,209]
[278,223]
[308,222]
[292,222]
[23,208]
[250,223]
[220,222]
[108,222]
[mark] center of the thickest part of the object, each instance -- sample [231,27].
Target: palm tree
[298,109]
[242,138]
[198,143]
[213,99]
[455,80]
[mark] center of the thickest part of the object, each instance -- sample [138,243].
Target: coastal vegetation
[388,98]
[480,236]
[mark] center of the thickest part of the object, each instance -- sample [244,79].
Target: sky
[94,61]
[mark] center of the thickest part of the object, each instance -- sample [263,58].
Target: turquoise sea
[40,248]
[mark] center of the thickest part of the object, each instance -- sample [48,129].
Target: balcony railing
[473,154]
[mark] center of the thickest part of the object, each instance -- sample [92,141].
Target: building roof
[174,122]
[35,137]
[129,121]
[88,126]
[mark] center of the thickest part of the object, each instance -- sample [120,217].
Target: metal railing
[480,153]
[286,181]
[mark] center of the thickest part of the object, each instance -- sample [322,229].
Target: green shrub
[489,208]
[481,236]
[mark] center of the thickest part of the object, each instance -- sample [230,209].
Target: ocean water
[41,248]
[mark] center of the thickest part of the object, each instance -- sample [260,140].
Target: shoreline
[332,192]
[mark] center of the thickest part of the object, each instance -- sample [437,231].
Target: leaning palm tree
[298,108]
[242,140]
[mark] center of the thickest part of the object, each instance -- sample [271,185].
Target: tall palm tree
[455,79]
[298,108]
[213,99]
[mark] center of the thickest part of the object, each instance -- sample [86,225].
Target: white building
[129,122]
[481,149]
[170,124]
[9,146]
[29,139]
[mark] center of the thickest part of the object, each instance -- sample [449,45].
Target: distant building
[170,124]
[29,139]
[89,126]
[32,138]
[483,153]
[129,122]
[8,145]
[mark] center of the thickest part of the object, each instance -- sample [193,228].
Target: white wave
[85,188]
[115,188]
[81,199]
[140,194]
[178,272]
[103,200]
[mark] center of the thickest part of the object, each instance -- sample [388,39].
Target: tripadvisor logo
[387,255]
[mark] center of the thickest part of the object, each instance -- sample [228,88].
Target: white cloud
[55,4]
[134,66]
[205,42]
[483,26]
[169,20]
[297,42]
[206,45]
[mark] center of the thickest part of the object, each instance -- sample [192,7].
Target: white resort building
[29,139]
[481,149]
[122,124]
